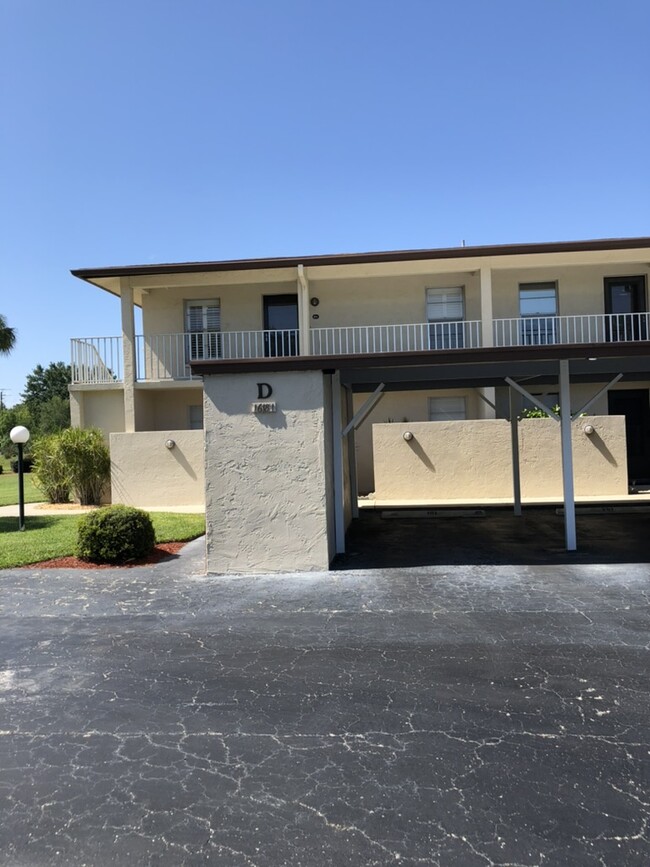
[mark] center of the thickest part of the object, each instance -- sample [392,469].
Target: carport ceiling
[487,374]
[456,368]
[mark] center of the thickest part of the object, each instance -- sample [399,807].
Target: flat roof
[364,258]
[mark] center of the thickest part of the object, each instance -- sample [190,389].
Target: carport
[280,467]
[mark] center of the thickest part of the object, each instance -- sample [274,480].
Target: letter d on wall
[264,390]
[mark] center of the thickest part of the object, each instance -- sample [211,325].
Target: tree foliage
[10,418]
[7,337]
[45,408]
[44,383]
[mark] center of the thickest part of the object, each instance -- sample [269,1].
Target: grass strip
[9,489]
[48,536]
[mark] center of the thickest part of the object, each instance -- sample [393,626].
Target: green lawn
[9,489]
[49,536]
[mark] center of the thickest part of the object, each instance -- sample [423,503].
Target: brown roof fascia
[364,258]
[403,359]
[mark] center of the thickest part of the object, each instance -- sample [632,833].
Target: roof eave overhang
[101,276]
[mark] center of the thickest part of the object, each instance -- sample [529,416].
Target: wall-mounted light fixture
[170,444]
[408,436]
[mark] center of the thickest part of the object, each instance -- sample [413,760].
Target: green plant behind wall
[50,470]
[88,461]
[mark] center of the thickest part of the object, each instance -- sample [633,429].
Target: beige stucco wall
[390,297]
[242,306]
[471,460]
[398,405]
[581,289]
[160,409]
[382,300]
[144,472]
[266,480]
[94,408]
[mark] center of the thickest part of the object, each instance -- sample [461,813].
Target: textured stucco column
[303,312]
[128,348]
[76,409]
[268,480]
[487,336]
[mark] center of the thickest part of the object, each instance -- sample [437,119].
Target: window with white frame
[203,324]
[196,416]
[447,409]
[445,315]
[538,312]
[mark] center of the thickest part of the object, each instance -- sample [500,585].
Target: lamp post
[20,435]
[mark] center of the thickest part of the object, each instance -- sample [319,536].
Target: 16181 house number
[263,404]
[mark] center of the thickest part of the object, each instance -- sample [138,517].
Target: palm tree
[7,337]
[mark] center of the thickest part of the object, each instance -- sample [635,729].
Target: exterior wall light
[408,436]
[20,435]
[170,444]
[589,429]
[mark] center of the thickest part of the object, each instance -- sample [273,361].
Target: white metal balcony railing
[168,356]
[418,337]
[96,360]
[591,328]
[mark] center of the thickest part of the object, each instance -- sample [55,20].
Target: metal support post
[567,458]
[514,441]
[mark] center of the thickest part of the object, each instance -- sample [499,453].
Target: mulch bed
[160,552]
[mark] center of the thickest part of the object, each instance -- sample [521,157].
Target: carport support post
[514,441]
[352,454]
[567,458]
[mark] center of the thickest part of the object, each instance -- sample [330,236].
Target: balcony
[160,357]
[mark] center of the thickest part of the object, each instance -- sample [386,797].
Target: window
[447,409]
[445,314]
[196,416]
[203,324]
[538,311]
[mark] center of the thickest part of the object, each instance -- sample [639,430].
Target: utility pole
[3,391]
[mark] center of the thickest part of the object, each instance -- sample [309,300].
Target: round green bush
[115,534]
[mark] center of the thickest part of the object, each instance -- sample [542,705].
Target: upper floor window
[447,409]
[538,311]
[203,324]
[445,314]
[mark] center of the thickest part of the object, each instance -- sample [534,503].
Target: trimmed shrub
[51,473]
[88,461]
[27,464]
[115,534]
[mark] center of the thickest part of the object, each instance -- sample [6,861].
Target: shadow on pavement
[498,538]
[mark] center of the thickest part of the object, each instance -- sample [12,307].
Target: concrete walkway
[463,716]
[73,509]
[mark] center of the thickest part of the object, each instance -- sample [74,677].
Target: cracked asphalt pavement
[433,715]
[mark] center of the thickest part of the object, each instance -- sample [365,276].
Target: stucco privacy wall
[103,409]
[144,472]
[267,487]
[396,406]
[471,460]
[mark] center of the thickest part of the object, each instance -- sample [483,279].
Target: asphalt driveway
[451,715]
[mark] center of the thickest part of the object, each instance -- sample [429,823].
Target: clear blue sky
[137,131]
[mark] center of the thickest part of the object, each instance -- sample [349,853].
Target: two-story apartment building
[440,335]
